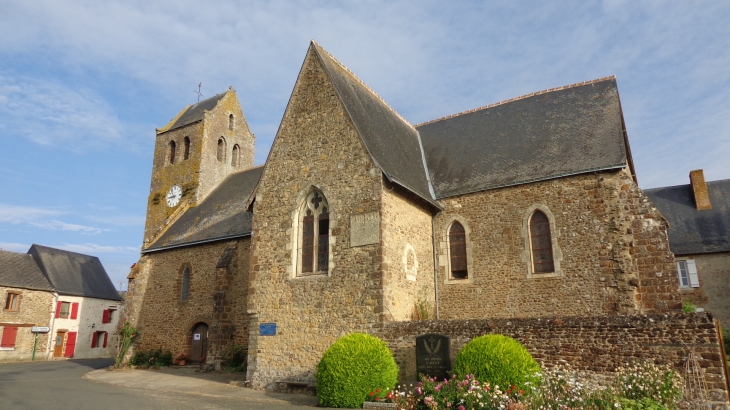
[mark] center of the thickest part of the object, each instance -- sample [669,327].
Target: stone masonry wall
[407,254]
[610,247]
[316,146]
[34,309]
[217,296]
[598,344]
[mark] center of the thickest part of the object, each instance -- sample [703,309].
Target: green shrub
[688,307]
[152,358]
[499,360]
[237,356]
[351,368]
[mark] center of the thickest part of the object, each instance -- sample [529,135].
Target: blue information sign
[267,329]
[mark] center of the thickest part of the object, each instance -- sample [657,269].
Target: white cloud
[39,217]
[50,113]
[22,214]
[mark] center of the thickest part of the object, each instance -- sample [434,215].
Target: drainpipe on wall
[51,337]
[435,265]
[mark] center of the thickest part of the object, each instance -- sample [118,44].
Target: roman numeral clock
[174,195]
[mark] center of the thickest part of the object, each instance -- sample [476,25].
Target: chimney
[699,187]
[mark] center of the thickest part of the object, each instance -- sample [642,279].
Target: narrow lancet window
[234,157]
[172,152]
[457,251]
[185,284]
[230,122]
[186,148]
[221,154]
[541,243]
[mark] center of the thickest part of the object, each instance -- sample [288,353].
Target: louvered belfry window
[457,251]
[541,243]
[314,228]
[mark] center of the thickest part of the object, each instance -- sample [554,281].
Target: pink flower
[461,407]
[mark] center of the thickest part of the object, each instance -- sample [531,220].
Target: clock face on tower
[174,195]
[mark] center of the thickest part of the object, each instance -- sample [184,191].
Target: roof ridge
[361,82]
[64,250]
[597,80]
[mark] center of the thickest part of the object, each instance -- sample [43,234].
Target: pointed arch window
[230,122]
[186,148]
[221,154]
[541,246]
[314,221]
[457,251]
[171,155]
[185,288]
[234,157]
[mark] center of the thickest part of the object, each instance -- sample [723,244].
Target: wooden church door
[199,343]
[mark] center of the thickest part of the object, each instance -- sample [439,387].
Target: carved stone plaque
[364,229]
[433,355]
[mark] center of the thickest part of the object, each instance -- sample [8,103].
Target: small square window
[65,308]
[12,303]
[99,339]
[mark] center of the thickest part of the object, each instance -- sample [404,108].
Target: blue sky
[83,84]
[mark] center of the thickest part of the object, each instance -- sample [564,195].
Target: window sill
[7,348]
[543,275]
[454,281]
[312,275]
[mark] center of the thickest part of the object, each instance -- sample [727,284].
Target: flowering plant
[182,356]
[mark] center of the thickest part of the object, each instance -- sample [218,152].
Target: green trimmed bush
[351,368]
[497,359]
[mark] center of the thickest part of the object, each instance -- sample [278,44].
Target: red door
[70,344]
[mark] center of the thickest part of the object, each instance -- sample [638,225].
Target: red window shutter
[74,310]
[105,336]
[9,334]
[70,344]
[105,317]
[93,340]
[58,310]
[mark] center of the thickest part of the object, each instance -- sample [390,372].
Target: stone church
[521,209]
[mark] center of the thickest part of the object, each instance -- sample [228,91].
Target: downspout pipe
[435,265]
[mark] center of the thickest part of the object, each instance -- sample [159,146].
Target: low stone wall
[597,344]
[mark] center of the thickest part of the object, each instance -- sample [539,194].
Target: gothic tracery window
[541,243]
[313,249]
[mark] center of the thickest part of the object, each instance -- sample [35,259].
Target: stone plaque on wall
[364,229]
[433,355]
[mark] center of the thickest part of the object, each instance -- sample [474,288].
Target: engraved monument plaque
[364,229]
[433,355]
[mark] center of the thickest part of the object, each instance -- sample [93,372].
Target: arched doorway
[198,343]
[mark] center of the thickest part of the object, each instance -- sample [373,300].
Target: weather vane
[198,92]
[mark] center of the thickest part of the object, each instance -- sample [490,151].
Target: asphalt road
[59,385]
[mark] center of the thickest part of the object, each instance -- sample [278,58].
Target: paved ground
[86,384]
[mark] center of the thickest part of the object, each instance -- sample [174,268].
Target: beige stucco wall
[713,271]
[34,310]
[407,253]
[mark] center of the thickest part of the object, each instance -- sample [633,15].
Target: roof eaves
[160,132]
[529,181]
[180,245]
[522,97]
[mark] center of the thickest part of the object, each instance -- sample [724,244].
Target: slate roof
[194,113]
[392,142]
[19,270]
[74,274]
[692,231]
[221,215]
[565,131]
